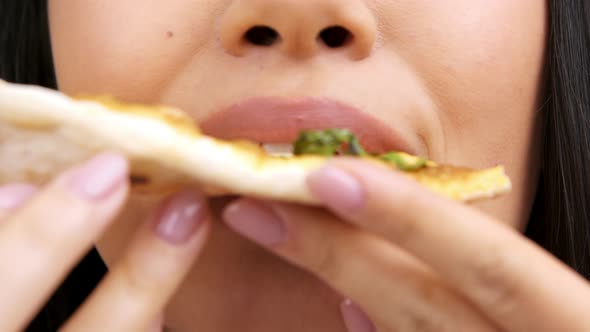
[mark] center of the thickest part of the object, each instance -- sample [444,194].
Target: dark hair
[560,220]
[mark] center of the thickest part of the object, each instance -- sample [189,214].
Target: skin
[461,80]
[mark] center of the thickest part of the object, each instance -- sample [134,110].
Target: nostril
[261,36]
[335,36]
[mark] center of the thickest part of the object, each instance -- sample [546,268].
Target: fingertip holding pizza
[12,196]
[337,188]
[256,221]
[355,318]
[347,185]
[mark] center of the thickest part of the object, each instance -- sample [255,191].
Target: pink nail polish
[256,222]
[355,319]
[13,196]
[336,188]
[100,176]
[180,218]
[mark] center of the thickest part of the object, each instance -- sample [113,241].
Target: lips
[279,120]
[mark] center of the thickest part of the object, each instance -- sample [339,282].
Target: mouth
[275,123]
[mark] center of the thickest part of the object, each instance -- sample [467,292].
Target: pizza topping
[404,161]
[332,142]
[328,142]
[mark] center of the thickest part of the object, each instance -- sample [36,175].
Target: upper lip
[280,120]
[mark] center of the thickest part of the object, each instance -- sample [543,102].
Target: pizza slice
[43,131]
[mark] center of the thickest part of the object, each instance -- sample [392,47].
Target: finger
[508,277]
[42,241]
[157,325]
[134,293]
[13,196]
[355,319]
[394,289]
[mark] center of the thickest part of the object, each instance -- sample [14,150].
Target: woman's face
[455,80]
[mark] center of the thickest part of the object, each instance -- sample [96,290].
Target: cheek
[483,69]
[488,92]
[481,62]
[132,47]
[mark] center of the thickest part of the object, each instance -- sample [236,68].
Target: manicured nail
[13,196]
[180,217]
[336,188]
[158,325]
[256,222]
[355,319]
[101,176]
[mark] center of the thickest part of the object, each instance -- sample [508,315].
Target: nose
[299,28]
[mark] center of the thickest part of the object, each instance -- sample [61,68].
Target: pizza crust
[42,132]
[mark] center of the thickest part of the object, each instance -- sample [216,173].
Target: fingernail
[13,196]
[256,222]
[355,319]
[100,176]
[158,325]
[336,188]
[180,217]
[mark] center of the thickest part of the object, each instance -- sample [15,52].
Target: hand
[414,261]
[43,233]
